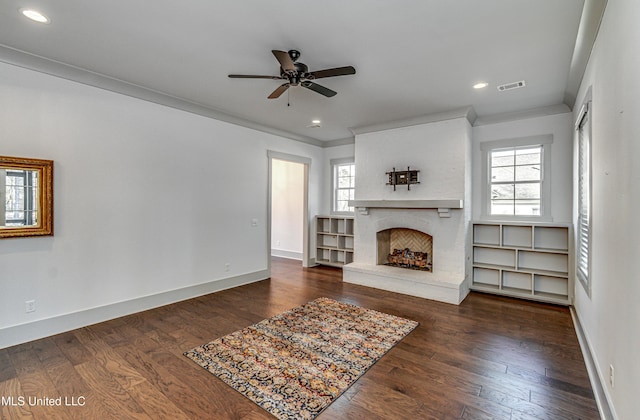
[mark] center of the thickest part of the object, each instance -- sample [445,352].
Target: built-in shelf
[524,260]
[334,240]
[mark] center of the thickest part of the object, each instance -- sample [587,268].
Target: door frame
[306,162]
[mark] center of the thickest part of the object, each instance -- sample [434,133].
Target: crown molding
[592,14]
[339,142]
[522,115]
[466,112]
[55,68]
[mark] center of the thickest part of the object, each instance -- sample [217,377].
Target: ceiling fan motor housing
[295,77]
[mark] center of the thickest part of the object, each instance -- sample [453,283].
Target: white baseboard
[17,334]
[599,390]
[292,255]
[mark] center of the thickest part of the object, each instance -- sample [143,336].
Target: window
[344,182]
[584,197]
[515,181]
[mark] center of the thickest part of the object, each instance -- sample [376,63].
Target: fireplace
[405,248]
[387,229]
[440,207]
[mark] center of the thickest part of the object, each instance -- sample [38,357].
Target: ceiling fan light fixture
[480,85]
[34,15]
[315,121]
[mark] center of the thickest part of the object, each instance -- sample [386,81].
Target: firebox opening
[405,248]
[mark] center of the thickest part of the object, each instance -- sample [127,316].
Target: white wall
[611,316]
[437,149]
[287,208]
[149,200]
[560,126]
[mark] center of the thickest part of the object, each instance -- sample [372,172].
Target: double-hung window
[517,178]
[344,179]
[516,181]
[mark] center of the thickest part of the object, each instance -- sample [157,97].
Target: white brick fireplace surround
[446,283]
[440,206]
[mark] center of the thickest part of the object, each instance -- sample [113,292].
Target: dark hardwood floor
[490,357]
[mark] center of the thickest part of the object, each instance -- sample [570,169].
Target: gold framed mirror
[26,197]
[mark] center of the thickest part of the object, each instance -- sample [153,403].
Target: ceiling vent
[513,85]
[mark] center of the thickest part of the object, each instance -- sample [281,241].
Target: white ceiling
[412,57]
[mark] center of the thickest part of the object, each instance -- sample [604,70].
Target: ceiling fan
[296,73]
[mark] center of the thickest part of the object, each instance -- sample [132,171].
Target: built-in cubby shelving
[527,260]
[334,240]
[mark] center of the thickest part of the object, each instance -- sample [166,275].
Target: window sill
[503,218]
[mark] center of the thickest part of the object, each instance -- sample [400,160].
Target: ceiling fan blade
[338,71]
[279,91]
[285,61]
[319,89]
[252,76]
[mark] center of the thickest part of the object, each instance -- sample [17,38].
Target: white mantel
[443,206]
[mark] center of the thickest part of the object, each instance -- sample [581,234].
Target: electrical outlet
[227,266]
[30,306]
[612,378]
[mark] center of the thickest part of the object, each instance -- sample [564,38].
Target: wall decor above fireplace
[408,177]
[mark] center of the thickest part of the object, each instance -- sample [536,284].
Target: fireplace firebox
[405,248]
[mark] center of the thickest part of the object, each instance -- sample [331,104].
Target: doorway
[288,228]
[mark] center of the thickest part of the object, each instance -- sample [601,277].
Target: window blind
[584,198]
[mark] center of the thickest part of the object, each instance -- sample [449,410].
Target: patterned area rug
[295,364]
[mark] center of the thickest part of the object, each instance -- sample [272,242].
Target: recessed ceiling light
[34,15]
[315,121]
[480,85]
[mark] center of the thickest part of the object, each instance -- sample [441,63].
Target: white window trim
[545,194]
[584,122]
[333,163]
